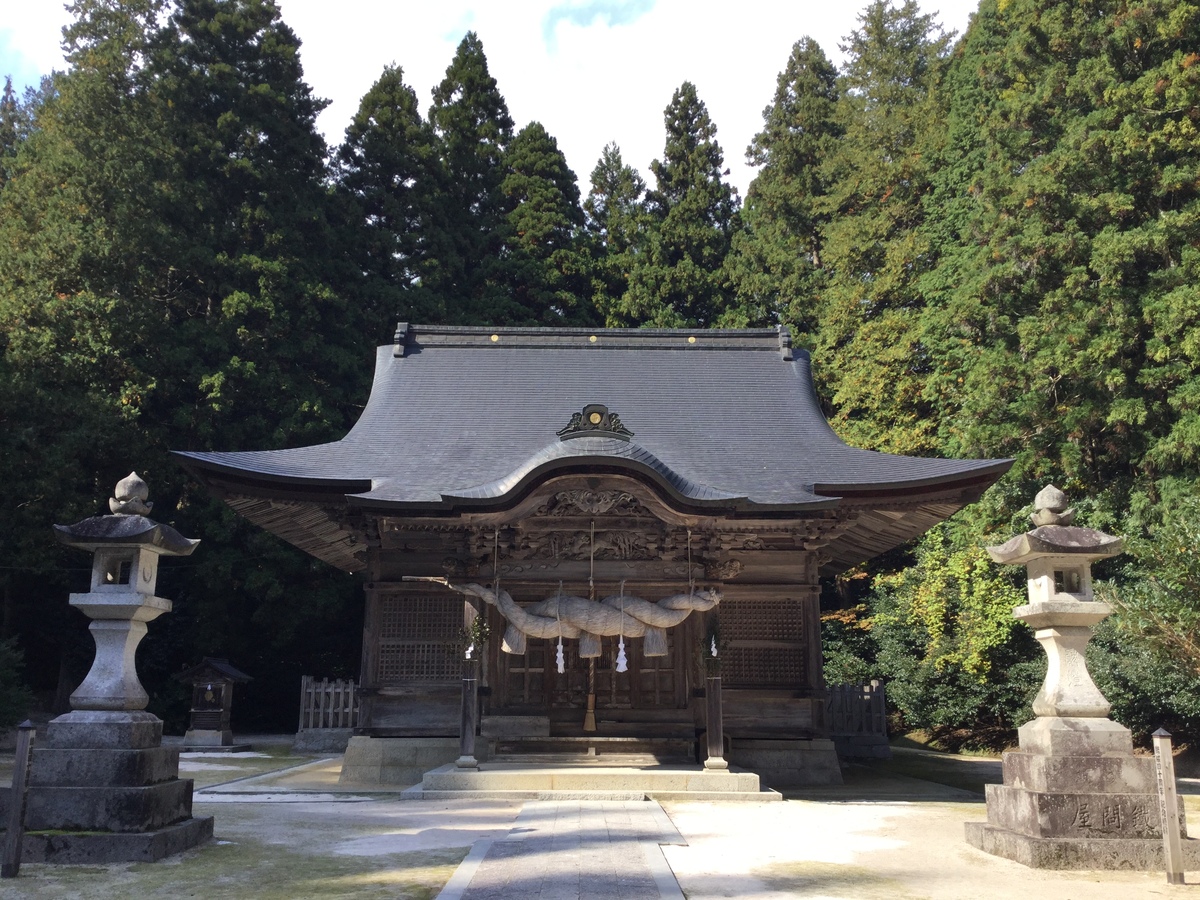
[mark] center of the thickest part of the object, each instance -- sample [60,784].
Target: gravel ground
[895,830]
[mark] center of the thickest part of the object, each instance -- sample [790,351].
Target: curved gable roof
[462,416]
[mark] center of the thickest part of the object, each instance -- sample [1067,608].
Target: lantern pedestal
[102,789]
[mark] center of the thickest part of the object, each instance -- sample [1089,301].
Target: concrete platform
[572,779]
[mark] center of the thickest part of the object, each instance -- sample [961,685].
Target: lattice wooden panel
[765,643]
[406,617]
[761,620]
[783,666]
[420,638]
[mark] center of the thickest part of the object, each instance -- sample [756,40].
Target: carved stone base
[1062,814]
[1077,853]
[1075,797]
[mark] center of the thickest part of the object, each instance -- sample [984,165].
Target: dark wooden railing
[327,704]
[857,709]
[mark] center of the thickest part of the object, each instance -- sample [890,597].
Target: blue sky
[591,71]
[586,14]
[13,62]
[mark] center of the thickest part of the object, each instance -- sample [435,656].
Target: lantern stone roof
[724,422]
[128,526]
[101,531]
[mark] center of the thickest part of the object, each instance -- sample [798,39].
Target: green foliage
[390,174]
[678,278]
[1147,692]
[163,284]
[1010,272]
[946,638]
[776,260]
[473,128]
[616,224]
[15,697]
[1066,235]
[1158,596]
[870,348]
[849,652]
[9,135]
[958,598]
[545,260]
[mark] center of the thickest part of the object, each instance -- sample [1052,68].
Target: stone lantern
[1062,611]
[125,550]
[102,786]
[1074,796]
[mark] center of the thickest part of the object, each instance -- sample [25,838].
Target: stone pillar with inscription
[1074,795]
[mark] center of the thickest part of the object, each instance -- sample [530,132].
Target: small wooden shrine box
[212,696]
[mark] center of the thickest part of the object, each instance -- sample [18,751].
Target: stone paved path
[573,850]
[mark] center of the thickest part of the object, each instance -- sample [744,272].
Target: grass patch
[966,742]
[248,869]
[206,771]
[953,771]
[822,879]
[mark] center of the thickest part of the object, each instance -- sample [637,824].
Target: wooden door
[531,681]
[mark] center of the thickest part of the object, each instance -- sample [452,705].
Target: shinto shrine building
[643,497]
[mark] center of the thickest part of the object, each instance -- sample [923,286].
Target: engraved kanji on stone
[1141,819]
[1112,816]
[1083,816]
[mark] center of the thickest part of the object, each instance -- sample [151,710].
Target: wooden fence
[327,704]
[857,709]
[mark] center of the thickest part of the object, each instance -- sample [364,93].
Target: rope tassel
[558,657]
[622,663]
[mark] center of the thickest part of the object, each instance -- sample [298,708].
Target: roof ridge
[411,338]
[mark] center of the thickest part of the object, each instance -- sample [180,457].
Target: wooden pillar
[814,657]
[470,715]
[716,726]
[714,715]
[368,670]
[469,719]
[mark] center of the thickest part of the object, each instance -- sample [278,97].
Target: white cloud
[591,71]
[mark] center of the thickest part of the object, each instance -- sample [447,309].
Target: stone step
[577,760]
[641,781]
[418,793]
[683,749]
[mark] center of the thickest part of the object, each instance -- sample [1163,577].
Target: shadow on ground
[909,776]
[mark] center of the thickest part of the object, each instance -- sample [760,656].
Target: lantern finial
[1050,508]
[130,497]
